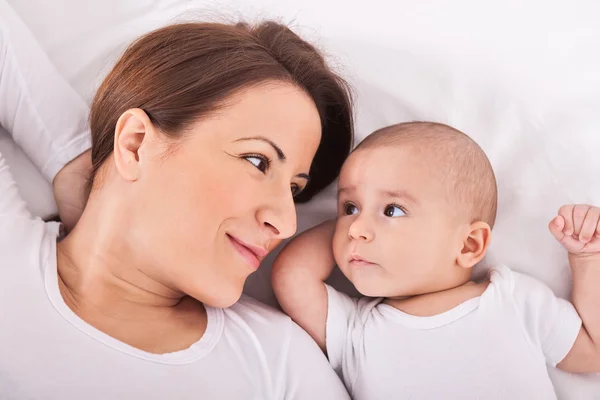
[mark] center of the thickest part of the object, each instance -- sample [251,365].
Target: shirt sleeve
[11,203]
[342,317]
[551,323]
[39,109]
[308,374]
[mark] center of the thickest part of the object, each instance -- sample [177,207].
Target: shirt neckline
[212,334]
[434,321]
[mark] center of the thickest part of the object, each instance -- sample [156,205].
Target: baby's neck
[430,304]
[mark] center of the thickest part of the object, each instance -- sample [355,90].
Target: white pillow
[520,77]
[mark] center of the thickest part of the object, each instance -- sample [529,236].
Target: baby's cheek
[338,246]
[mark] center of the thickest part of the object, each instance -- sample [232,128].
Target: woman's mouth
[253,255]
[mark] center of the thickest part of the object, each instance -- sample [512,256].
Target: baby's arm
[577,228]
[298,279]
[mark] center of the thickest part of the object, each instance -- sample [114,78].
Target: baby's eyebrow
[345,189]
[400,194]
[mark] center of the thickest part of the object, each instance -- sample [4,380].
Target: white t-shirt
[495,346]
[249,351]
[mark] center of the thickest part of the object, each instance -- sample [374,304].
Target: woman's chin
[224,303]
[219,296]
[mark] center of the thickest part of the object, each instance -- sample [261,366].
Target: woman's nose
[278,215]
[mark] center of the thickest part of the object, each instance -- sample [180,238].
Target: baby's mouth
[359,261]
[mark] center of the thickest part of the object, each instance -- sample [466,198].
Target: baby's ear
[475,244]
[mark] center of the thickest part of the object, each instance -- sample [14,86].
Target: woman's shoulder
[279,337]
[297,367]
[270,326]
[257,315]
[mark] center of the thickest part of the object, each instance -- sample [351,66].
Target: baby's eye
[350,209]
[393,210]
[260,162]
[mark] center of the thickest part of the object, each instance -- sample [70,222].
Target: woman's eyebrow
[280,154]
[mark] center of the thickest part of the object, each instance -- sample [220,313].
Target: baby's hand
[577,228]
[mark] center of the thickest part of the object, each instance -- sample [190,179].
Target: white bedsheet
[518,76]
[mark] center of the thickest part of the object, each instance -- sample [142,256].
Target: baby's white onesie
[495,346]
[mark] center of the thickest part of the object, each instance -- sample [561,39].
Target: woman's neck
[99,268]
[103,281]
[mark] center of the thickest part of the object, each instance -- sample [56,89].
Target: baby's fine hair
[460,163]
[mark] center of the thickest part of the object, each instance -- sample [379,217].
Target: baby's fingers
[566,212]
[580,211]
[557,227]
[589,227]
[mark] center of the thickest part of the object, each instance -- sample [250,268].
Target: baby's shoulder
[510,280]
[518,289]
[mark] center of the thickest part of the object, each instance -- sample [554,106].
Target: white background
[520,77]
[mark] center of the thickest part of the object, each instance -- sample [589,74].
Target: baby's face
[396,235]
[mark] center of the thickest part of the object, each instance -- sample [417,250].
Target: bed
[520,77]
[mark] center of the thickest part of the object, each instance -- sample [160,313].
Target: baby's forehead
[437,156]
[392,168]
[397,159]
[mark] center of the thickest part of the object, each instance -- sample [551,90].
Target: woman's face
[216,202]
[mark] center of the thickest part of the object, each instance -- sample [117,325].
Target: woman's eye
[295,189]
[393,211]
[350,209]
[260,162]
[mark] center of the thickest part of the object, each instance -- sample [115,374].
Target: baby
[416,206]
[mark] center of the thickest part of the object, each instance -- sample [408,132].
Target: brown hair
[183,72]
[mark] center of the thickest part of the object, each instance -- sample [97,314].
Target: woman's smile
[253,255]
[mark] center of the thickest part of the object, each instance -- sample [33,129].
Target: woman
[202,135]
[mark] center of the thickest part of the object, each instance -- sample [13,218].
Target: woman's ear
[475,244]
[132,128]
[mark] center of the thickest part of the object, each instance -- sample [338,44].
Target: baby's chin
[369,285]
[379,289]
[370,289]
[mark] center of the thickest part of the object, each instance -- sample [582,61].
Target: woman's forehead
[278,112]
